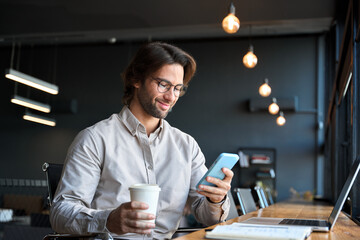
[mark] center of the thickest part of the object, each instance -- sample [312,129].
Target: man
[139,146]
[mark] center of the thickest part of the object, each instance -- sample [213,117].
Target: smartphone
[227,160]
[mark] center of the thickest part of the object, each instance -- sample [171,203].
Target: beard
[150,107]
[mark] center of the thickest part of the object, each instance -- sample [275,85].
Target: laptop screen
[345,192]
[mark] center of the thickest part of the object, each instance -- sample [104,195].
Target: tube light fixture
[31,81]
[31,104]
[39,119]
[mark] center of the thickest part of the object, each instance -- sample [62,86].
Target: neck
[150,123]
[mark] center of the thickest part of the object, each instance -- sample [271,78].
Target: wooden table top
[344,228]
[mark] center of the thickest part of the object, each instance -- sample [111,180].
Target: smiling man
[139,146]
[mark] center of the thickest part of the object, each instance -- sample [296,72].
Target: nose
[170,95]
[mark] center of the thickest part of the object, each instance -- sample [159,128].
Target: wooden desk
[344,228]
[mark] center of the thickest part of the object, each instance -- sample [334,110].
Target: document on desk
[247,231]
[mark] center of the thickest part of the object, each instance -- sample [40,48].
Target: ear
[137,84]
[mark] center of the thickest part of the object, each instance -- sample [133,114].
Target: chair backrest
[262,198]
[233,212]
[53,175]
[246,200]
[269,196]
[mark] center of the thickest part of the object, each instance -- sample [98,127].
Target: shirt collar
[134,125]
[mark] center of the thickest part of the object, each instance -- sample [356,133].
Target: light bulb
[273,108]
[281,119]
[250,59]
[231,23]
[265,89]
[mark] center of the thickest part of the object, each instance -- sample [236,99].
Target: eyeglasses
[164,86]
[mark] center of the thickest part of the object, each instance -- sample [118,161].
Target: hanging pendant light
[273,108]
[250,60]
[39,119]
[265,89]
[31,81]
[231,23]
[280,120]
[31,104]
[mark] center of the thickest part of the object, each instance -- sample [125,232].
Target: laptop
[315,224]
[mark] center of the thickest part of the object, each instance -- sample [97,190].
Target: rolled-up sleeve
[71,210]
[204,211]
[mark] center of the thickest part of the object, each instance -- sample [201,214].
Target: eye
[163,85]
[178,88]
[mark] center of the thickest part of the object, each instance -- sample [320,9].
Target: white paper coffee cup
[147,193]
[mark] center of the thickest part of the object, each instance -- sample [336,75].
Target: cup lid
[145,186]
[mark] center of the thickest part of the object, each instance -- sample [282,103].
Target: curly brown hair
[149,59]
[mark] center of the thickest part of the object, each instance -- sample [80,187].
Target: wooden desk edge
[345,227]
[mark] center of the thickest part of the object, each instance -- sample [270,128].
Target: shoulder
[105,125]
[178,134]
[99,130]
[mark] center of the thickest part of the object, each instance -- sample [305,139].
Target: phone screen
[227,160]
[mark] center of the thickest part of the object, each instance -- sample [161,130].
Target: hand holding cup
[137,216]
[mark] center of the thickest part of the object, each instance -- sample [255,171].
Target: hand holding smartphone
[227,160]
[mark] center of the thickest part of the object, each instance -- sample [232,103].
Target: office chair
[246,200]
[53,175]
[262,198]
[269,196]
[233,212]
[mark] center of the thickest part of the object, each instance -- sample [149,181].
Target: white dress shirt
[107,158]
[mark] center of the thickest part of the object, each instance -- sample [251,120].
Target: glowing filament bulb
[250,60]
[273,108]
[281,119]
[265,89]
[231,23]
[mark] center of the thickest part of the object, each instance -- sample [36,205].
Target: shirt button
[150,167]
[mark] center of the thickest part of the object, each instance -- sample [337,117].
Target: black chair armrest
[95,236]
[183,230]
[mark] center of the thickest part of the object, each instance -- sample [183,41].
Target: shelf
[261,173]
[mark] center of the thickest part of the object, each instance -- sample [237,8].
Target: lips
[164,106]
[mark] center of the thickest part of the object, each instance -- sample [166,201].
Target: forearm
[73,217]
[210,213]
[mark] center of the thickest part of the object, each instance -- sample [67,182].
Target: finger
[139,227]
[140,224]
[218,182]
[228,174]
[213,197]
[136,205]
[134,222]
[213,190]
[136,215]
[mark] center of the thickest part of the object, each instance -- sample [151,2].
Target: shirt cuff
[225,208]
[224,205]
[98,224]
[221,202]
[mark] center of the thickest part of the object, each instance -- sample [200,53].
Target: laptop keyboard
[304,222]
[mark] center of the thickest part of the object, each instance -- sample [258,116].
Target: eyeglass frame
[168,86]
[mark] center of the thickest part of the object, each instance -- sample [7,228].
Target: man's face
[155,103]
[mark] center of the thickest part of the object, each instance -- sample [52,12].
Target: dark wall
[214,110]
